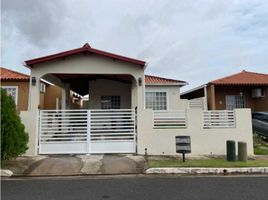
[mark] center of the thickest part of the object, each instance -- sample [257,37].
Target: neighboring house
[123,110]
[241,90]
[17,85]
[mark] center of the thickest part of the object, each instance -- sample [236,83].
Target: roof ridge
[164,78]
[85,48]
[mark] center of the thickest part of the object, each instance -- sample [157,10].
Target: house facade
[17,85]
[123,110]
[241,90]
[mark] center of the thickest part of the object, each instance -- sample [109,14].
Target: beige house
[123,110]
[17,85]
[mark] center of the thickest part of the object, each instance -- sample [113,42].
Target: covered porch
[111,88]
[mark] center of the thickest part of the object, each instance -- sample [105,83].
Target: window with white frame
[235,101]
[110,102]
[12,91]
[156,100]
[42,87]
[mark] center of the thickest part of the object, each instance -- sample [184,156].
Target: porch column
[34,92]
[205,98]
[65,93]
[30,118]
[63,98]
[213,102]
[134,95]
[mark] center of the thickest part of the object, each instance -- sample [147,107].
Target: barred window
[235,101]
[110,102]
[12,91]
[156,100]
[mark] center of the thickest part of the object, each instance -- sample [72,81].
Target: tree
[14,139]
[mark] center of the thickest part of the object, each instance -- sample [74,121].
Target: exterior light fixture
[140,81]
[33,80]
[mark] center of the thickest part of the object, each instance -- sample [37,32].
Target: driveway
[76,165]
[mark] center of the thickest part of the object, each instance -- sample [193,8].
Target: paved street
[141,187]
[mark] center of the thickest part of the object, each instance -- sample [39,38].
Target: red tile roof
[243,78]
[83,49]
[10,75]
[160,80]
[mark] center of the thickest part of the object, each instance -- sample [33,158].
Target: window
[156,100]
[42,87]
[110,102]
[235,101]
[12,91]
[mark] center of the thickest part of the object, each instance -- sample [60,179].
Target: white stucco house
[126,111]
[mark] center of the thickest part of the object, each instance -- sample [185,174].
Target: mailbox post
[183,145]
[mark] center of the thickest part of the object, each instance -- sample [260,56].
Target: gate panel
[112,131]
[63,131]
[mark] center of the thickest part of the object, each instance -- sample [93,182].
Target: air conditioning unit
[257,93]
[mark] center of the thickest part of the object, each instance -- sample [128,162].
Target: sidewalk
[207,170]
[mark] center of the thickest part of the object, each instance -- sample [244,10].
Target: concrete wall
[173,96]
[104,87]
[23,93]
[204,141]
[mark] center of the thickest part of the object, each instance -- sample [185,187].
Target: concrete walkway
[76,165]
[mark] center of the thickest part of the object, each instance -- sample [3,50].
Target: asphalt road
[128,188]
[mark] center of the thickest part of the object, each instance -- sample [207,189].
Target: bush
[14,139]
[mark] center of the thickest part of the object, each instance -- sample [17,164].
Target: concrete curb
[6,173]
[196,170]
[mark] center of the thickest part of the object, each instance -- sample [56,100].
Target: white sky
[192,40]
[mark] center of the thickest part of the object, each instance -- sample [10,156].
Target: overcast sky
[192,40]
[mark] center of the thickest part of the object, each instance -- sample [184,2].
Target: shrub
[14,139]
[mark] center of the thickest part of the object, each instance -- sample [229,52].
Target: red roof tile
[243,78]
[10,75]
[160,80]
[85,48]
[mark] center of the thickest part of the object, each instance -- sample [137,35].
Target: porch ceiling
[79,83]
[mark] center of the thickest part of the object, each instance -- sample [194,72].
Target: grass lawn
[260,151]
[207,163]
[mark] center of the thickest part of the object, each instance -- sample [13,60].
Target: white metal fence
[87,131]
[219,119]
[169,119]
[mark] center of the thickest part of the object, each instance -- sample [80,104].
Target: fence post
[88,132]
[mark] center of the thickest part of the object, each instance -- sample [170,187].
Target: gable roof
[10,75]
[156,80]
[243,78]
[85,48]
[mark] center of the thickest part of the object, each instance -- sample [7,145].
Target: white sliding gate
[87,131]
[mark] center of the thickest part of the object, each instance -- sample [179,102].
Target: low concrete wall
[203,141]
[29,119]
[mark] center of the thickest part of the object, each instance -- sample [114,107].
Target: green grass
[260,145]
[260,151]
[207,163]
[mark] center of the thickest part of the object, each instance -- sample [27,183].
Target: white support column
[63,98]
[205,98]
[34,90]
